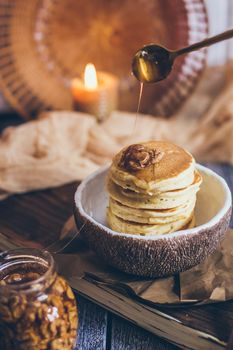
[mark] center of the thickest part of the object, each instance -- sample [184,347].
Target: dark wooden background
[40,216]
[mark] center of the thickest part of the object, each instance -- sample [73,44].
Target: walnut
[137,157]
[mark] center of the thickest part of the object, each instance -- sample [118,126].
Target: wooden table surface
[41,215]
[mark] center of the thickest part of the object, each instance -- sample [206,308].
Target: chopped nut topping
[137,157]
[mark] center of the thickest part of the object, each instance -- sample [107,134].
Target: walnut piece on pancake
[137,157]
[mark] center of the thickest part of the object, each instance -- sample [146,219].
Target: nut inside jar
[37,307]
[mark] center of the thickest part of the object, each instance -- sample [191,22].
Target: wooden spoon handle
[207,42]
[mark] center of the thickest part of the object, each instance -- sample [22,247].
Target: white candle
[96,94]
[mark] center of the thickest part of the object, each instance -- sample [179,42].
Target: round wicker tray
[45,43]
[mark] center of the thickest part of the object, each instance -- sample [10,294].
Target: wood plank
[215,319]
[92,331]
[37,216]
[160,322]
[126,336]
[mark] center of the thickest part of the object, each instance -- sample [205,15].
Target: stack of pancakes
[152,189]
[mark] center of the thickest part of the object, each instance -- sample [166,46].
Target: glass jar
[37,307]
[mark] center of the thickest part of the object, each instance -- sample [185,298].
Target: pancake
[174,169]
[119,225]
[165,200]
[175,192]
[152,189]
[184,180]
[150,216]
[153,212]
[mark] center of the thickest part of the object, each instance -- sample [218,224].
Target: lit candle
[97,94]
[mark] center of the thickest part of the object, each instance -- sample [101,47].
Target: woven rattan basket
[45,43]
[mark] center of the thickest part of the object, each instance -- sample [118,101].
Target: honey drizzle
[138,107]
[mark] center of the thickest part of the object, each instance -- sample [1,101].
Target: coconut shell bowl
[154,255]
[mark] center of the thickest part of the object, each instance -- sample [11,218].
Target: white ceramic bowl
[158,255]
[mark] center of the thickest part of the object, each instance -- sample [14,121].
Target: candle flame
[90,77]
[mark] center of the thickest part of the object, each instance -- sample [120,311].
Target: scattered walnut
[137,157]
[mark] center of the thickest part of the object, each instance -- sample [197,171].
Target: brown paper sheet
[210,281]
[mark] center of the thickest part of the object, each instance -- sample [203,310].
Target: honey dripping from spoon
[138,107]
